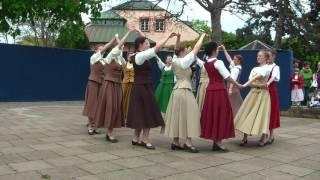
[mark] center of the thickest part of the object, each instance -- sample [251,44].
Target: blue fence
[49,74]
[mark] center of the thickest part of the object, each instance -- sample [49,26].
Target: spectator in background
[295,65]
[307,80]
[296,85]
[315,101]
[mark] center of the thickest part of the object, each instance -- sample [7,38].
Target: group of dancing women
[120,94]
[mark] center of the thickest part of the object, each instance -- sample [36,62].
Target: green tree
[201,26]
[72,36]
[46,18]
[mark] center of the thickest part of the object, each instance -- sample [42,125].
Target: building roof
[102,34]
[110,14]
[254,45]
[138,5]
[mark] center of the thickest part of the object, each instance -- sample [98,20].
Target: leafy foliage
[55,16]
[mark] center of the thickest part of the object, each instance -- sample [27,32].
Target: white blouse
[234,70]
[200,63]
[184,62]
[261,70]
[129,65]
[219,65]
[275,72]
[161,66]
[143,56]
[115,54]
[95,57]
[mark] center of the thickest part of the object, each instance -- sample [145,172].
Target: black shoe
[270,141]
[96,131]
[90,131]
[135,143]
[216,147]
[111,140]
[243,143]
[147,145]
[191,149]
[176,147]
[262,144]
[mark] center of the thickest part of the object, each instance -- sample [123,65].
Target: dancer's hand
[230,91]
[172,35]
[268,84]
[205,59]
[241,86]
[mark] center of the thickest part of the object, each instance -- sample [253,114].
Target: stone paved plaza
[49,141]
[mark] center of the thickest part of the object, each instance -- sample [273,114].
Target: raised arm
[178,41]
[108,45]
[226,54]
[140,32]
[120,57]
[115,52]
[198,45]
[161,65]
[163,42]
[124,38]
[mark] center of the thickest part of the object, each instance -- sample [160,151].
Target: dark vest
[142,73]
[96,72]
[112,72]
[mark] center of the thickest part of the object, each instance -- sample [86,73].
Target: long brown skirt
[143,109]
[91,99]
[109,111]
[126,88]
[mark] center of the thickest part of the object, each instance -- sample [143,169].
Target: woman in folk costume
[203,84]
[109,111]
[144,112]
[182,117]
[254,114]
[235,72]
[216,116]
[127,84]
[165,87]
[93,86]
[274,77]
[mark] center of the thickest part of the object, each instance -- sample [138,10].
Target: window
[159,25]
[144,24]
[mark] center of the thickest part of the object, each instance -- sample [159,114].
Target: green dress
[164,89]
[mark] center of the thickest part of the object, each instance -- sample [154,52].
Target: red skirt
[275,108]
[216,116]
[91,99]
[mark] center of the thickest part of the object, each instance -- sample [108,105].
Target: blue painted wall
[50,74]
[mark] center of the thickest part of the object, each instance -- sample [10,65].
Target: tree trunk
[283,7]
[216,25]
[43,33]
